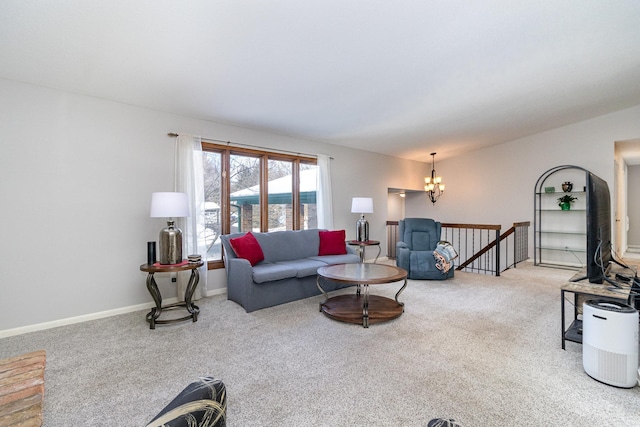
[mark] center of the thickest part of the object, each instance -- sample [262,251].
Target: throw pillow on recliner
[444,254]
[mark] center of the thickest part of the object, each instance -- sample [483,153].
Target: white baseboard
[93,316]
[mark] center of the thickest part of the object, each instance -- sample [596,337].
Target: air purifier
[610,342]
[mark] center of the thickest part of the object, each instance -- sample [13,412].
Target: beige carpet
[480,349]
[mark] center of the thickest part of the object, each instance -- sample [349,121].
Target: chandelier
[433,185]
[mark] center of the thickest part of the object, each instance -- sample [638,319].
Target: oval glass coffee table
[361,307]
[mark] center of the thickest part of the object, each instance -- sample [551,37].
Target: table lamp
[362,205]
[169,205]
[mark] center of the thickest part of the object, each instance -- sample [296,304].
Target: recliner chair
[414,251]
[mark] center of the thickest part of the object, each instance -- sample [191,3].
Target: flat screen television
[599,252]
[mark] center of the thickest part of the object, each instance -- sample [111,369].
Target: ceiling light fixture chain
[433,185]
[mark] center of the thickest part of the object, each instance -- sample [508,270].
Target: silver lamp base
[170,244]
[362,230]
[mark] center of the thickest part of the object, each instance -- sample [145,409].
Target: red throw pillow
[332,243]
[247,247]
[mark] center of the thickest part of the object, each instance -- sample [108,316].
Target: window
[244,183]
[251,190]
[280,195]
[212,165]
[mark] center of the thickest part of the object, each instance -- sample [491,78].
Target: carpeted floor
[482,350]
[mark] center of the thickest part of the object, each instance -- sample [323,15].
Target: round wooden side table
[152,286]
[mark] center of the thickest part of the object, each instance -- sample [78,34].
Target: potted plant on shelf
[565,201]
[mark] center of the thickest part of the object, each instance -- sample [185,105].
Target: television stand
[578,277]
[612,269]
[583,291]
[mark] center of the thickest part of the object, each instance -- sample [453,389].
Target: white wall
[77,174]
[395,207]
[77,177]
[496,185]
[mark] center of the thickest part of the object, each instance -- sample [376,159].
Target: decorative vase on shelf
[567,186]
[565,206]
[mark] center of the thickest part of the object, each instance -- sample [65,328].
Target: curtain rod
[173,134]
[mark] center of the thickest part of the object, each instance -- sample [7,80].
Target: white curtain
[324,197]
[189,178]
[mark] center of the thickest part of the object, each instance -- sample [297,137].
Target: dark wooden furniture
[362,246]
[152,286]
[362,307]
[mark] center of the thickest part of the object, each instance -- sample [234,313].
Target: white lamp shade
[169,205]
[362,205]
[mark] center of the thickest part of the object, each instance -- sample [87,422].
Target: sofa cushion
[332,242]
[247,247]
[337,259]
[420,234]
[267,272]
[422,241]
[423,264]
[304,267]
[288,245]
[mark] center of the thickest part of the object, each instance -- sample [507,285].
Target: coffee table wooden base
[361,307]
[349,308]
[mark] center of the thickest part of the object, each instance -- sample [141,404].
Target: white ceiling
[403,78]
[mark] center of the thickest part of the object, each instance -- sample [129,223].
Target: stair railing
[477,252]
[481,248]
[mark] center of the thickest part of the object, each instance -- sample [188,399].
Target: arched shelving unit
[560,236]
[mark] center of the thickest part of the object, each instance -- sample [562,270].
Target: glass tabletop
[362,273]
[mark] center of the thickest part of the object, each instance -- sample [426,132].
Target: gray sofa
[287,273]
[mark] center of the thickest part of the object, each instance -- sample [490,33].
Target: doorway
[627,205]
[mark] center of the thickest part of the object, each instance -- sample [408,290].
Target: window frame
[264,156]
